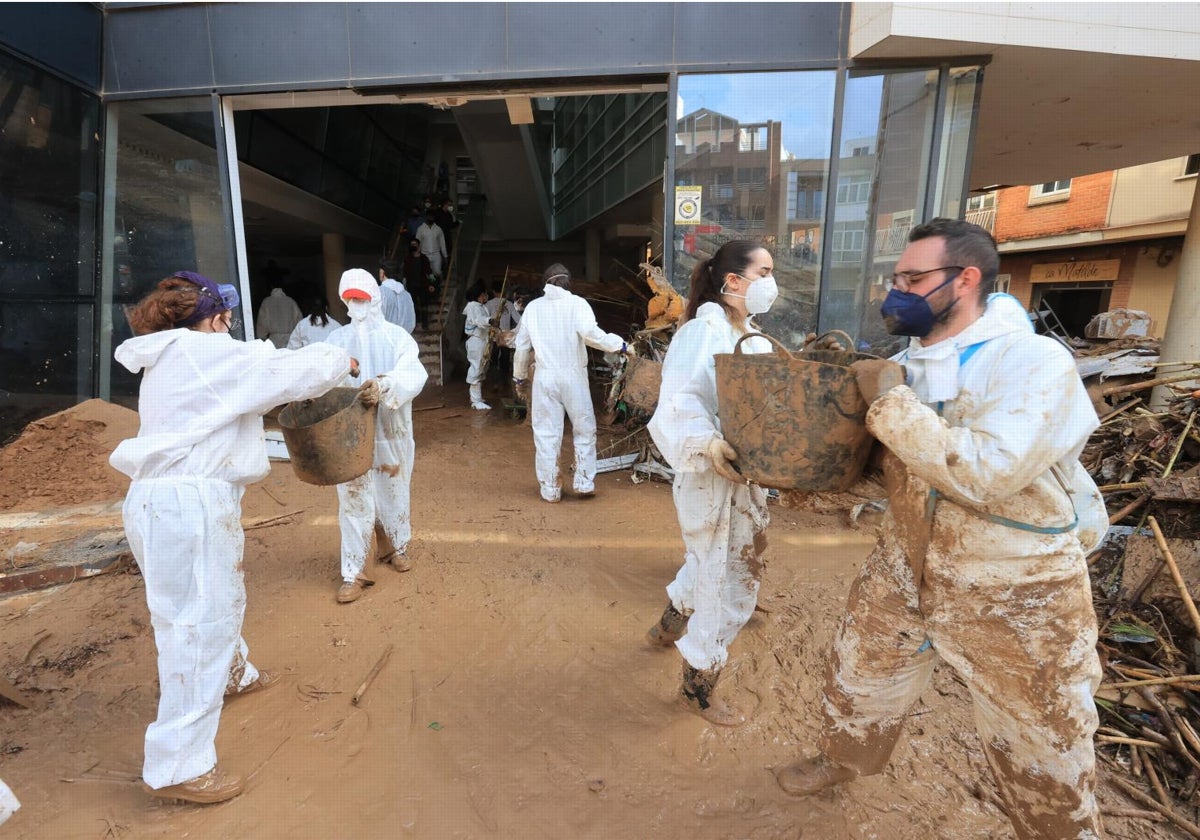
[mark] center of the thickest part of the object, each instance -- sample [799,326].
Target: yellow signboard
[1082,271]
[687,205]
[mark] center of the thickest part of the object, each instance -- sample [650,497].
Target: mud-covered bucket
[330,439]
[796,421]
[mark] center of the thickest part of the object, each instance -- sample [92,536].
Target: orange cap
[356,294]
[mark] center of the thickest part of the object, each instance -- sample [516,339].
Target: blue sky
[802,101]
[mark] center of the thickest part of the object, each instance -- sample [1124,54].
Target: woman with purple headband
[200,443]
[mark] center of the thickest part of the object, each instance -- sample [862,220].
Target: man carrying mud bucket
[980,558]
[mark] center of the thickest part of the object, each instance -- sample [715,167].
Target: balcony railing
[891,240]
[985,218]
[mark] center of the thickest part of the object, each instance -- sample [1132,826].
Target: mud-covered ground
[521,700]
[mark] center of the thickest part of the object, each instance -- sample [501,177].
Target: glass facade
[831,192]
[165,212]
[49,158]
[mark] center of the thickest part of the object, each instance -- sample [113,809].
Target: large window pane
[756,147]
[49,149]
[46,352]
[167,209]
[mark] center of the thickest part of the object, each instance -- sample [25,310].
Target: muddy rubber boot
[669,629]
[812,775]
[696,695]
[214,786]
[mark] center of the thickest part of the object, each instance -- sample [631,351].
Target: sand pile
[62,459]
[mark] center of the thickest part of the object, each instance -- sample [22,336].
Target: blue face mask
[905,313]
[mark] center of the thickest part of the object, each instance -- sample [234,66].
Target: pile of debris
[1147,465]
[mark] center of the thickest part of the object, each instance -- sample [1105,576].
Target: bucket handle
[847,345]
[780,351]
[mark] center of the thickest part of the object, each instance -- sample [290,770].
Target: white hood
[143,351]
[933,371]
[357,278]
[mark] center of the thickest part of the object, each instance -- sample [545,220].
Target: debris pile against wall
[1147,464]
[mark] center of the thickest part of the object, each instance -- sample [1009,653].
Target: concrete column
[333,252]
[1181,338]
[591,255]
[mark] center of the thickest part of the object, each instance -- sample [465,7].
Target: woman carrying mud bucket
[200,443]
[722,516]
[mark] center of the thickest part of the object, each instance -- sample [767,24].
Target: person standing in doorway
[398,306]
[477,325]
[277,317]
[980,558]
[200,443]
[558,328]
[378,501]
[722,516]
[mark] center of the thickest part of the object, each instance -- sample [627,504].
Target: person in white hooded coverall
[980,559]
[278,315]
[477,323]
[723,517]
[398,307]
[557,328]
[199,444]
[378,500]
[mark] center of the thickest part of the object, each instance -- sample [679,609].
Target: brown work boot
[813,775]
[214,786]
[265,680]
[696,695]
[669,629]
[398,560]
[354,590]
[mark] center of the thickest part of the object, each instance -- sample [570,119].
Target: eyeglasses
[905,280]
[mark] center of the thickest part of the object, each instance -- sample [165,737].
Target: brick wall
[1086,208]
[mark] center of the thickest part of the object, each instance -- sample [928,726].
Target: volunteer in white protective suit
[722,516]
[378,501]
[477,324]
[278,315]
[398,305]
[558,327]
[199,444]
[980,559]
[9,804]
[313,327]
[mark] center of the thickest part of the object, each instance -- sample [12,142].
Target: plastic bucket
[797,422]
[330,439]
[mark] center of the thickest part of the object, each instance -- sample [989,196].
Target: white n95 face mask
[761,295]
[358,309]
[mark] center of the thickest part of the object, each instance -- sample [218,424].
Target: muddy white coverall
[199,444]
[723,523]
[477,321]
[389,354]
[398,305]
[277,317]
[306,332]
[1005,601]
[557,326]
[9,804]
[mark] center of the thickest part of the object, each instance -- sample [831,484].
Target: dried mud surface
[521,699]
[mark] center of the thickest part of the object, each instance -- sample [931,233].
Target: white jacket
[203,396]
[1018,409]
[398,305]
[476,320]
[433,241]
[277,317]
[389,354]
[306,332]
[557,326]
[686,420]
[511,317]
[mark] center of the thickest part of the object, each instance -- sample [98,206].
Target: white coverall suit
[478,319]
[278,315]
[306,332]
[9,804]
[433,245]
[1007,606]
[387,353]
[723,523]
[200,443]
[398,305]
[556,327]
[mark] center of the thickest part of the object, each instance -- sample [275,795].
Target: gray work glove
[722,456]
[875,376]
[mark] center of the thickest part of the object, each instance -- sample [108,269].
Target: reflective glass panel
[167,209]
[46,359]
[752,162]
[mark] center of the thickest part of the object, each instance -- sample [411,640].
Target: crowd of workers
[979,561]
